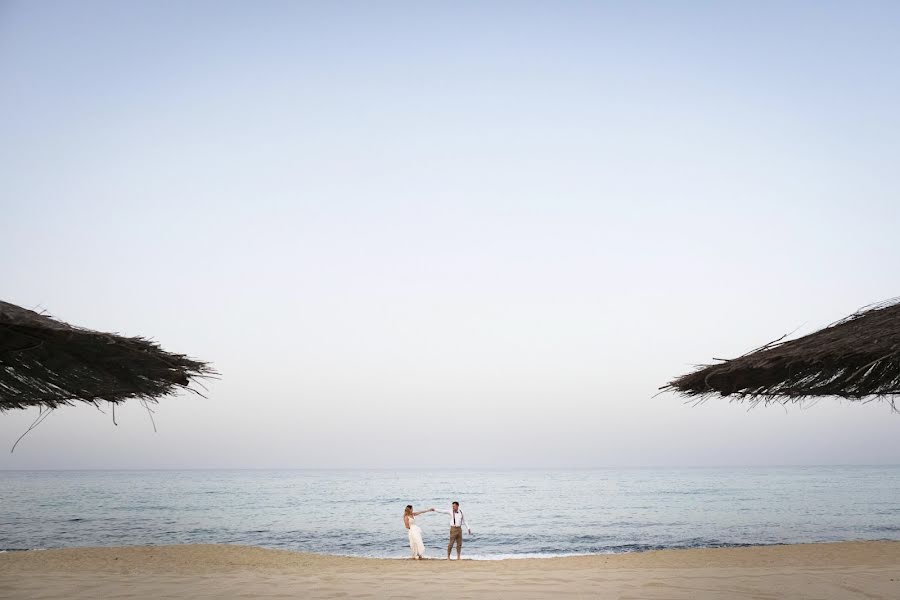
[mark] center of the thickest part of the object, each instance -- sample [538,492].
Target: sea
[512,513]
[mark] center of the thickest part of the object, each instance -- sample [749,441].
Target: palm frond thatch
[858,357]
[48,363]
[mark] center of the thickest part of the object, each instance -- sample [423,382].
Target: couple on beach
[457,522]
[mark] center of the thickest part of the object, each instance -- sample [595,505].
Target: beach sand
[833,571]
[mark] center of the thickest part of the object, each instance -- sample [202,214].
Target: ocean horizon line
[457,469]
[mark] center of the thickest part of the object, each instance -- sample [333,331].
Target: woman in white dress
[415,532]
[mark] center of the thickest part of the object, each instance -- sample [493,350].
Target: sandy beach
[828,571]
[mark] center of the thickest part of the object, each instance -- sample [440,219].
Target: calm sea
[512,513]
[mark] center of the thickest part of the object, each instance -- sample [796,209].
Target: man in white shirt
[457,522]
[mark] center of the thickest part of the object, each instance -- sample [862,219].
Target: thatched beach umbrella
[856,358]
[47,363]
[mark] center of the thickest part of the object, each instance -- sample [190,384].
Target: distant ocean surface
[512,513]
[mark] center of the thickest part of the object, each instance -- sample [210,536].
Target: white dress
[415,539]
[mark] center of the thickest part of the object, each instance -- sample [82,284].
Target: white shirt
[457,519]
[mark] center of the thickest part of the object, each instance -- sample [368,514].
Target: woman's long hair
[408,510]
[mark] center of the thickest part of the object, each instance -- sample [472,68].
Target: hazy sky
[450,234]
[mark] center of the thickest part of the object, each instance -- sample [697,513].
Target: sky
[450,234]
